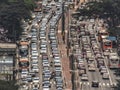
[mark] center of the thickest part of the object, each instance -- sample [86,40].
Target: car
[59,88]
[46,83]
[91,67]
[84,77]
[46,88]
[36,79]
[58,69]
[24,73]
[43,50]
[34,39]
[45,60]
[95,84]
[81,66]
[23,50]
[35,69]
[34,62]
[105,76]
[82,71]
[44,56]
[42,36]
[100,63]
[59,83]
[57,63]
[34,46]
[42,45]
[46,76]
[29,78]
[34,52]
[103,70]
[24,80]
[46,72]
[45,64]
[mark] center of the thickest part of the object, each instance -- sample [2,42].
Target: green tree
[10,18]
[118,85]
[8,85]
[106,9]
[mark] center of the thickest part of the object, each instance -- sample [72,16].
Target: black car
[95,84]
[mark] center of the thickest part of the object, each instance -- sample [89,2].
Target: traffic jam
[39,56]
[94,54]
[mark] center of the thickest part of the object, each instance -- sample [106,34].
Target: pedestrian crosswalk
[100,84]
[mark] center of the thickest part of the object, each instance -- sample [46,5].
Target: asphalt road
[86,85]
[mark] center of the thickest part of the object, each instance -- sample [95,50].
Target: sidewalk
[65,63]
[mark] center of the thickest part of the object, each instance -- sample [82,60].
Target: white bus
[113,61]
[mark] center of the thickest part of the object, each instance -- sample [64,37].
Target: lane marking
[88,83]
[108,84]
[103,84]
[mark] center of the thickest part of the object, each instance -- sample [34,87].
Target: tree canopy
[109,10]
[11,14]
[8,85]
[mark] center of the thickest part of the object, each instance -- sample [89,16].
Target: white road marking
[108,84]
[88,83]
[103,84]
[84,83]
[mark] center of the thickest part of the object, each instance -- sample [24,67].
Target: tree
[8,85]
[10,18]
[118,85]
[106,9]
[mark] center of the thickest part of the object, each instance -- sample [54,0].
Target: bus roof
[104,36]
[103,31]
[112,38]
[8,45]
[24,42]
[113,56]
[23,59]
[106,40]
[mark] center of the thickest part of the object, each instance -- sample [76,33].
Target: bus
[23,42]
[23,63]
[38,6]
[23,51]
[106,44]
[102,34]
[113,61]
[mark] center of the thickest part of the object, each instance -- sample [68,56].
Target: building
[7,60]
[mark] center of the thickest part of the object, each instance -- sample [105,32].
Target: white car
[43,50]
[103,70]
[45,64]
[105,76]
[84,77]
[57,64]
[34,63]
[91,67]
[24,73]
[34,53]
[35,69]
[36,80]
